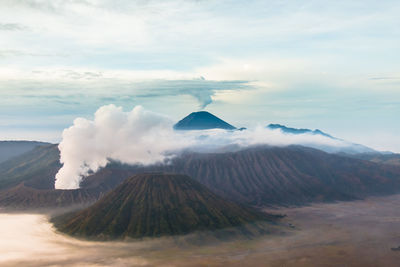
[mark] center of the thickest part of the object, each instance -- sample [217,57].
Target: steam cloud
[144,137]
[137,136]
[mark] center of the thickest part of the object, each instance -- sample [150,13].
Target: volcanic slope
[261,176]
[27,182]
[33,167]
[390,158]
[10,149]
[156,204]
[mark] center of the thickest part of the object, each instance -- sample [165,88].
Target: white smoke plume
[144,137]
[138,136]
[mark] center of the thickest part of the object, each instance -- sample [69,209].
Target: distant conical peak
[202,120]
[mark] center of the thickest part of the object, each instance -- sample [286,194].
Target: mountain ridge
[297,130]
[13,148]
[261,175]
[346,147]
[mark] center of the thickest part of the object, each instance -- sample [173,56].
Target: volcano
[202,120]
[157,204]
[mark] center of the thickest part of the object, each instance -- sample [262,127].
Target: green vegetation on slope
[156,205]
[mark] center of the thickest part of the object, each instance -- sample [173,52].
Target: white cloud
[143,137]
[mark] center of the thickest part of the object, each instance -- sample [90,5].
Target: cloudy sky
[332,65]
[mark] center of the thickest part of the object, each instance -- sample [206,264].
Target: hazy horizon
[315,64]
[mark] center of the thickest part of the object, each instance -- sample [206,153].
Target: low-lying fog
[359,233]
